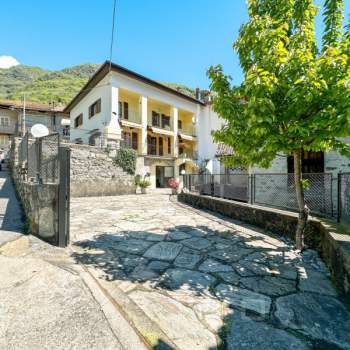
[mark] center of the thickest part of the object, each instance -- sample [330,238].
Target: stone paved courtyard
[187,279]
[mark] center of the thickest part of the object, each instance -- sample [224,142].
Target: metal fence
[278,190]
[38,159]
[43,161]
[272,190]
[344,197]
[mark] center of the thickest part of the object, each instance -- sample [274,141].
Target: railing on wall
[272,190]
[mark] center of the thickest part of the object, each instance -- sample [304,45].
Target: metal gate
[45,161]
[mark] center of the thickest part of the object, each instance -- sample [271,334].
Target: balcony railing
[160,124]
[188,130]
[131,116]
[189,154]
[8,129]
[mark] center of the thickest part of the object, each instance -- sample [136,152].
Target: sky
[166,40]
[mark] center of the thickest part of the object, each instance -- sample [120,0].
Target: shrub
[126,159]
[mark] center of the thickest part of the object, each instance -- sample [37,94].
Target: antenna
[112,38]
[39,130]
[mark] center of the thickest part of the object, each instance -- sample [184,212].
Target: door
[160,180]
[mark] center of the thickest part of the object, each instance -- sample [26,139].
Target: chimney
[198,93]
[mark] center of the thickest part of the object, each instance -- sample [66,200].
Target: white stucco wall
[209,121]
[102,90]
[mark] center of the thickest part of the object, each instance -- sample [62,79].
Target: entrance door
[160,180]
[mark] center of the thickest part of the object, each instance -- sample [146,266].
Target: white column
[144,118]
[175,117]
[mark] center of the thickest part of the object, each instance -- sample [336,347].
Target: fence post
[339,197]
[212,185]
[63,196]
[250,193]
[39,150]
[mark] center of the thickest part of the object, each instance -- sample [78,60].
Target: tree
[294,97]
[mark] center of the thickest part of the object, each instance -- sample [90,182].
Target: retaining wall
[94,173]
[330,239]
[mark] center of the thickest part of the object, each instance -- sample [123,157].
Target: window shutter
[120,113]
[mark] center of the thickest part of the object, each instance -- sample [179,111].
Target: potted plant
[143,185]
[137,180]
[174,185]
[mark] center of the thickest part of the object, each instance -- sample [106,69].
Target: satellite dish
[39,130]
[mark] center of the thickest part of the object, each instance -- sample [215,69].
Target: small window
[179,124]
[134,140]
[165,122]
[155,119]
[95,108]
[4,121]
[169,145]
[78,120]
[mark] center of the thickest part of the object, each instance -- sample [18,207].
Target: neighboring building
[12,121]
[118,106]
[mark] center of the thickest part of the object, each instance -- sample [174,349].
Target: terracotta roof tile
[223,150]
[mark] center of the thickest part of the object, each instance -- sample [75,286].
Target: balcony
[131,118]
[8,129]
[188,154]
[187,130]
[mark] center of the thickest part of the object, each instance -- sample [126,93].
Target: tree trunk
[303,210]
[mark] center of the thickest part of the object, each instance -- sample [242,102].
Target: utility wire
[112,36]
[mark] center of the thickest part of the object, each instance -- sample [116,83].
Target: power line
[112,36]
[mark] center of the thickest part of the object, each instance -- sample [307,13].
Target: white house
[166,127]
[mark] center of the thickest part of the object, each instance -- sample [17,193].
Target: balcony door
[152,145]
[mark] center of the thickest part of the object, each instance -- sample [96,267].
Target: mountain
[43,86]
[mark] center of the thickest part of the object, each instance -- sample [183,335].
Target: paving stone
[208,306]
[230,277]
[196,243]
[198,233]
[188,279]
[266,257]
[178,235]
[272,286]
[163,251]
[133,246]
[250,269]
[232,254]
[211,265]
[143,273]
[243,298]
[311,259]
[316,282]
[187,261]
[321,317]
[177,321]
[158,265]
[246,334]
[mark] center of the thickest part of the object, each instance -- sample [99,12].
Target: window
[4,121]
[160,142]
[78,120]
[124,110]
[155,119]
[311,162]
[169,145]
[135,141]
[152,145]
[165,122]
[179,124]
[95,108]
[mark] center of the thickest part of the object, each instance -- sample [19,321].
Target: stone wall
[39,201]
[324,236]
[94,173]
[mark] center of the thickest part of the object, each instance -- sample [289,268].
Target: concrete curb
[123,330]
[151,334]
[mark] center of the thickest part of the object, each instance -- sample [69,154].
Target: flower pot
[143,190]
[174,191]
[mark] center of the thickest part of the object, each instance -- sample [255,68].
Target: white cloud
[8,61]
